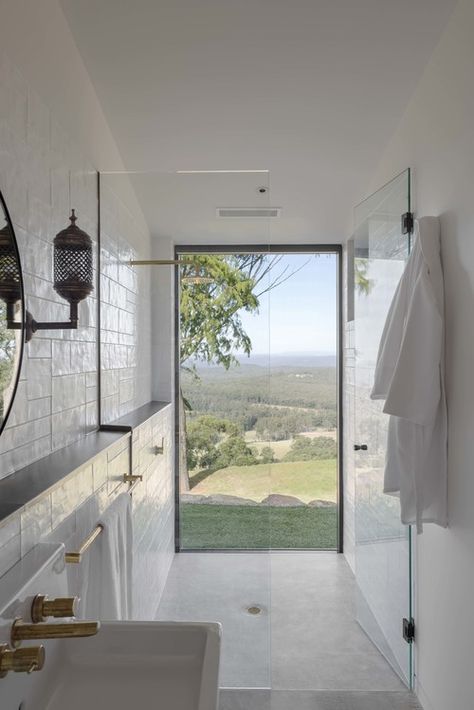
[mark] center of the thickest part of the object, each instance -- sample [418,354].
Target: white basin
[149,665]
[128,665]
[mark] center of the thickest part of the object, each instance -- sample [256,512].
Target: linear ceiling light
[213,172]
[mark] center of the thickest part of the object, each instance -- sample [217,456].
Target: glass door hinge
[407,223]
[409,630]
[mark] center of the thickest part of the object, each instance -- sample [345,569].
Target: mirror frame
[8,410]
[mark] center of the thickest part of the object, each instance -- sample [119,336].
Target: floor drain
[254,610]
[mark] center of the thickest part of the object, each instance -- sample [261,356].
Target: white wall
[436,138]
[53,139]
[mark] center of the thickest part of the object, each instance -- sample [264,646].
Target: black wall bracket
[408,223]
[409,630]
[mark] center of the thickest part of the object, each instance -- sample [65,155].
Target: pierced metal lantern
[73,274]
[10,278]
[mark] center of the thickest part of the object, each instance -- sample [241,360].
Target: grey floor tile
[300,669]
[233,699]
[306,637]
[321,700]
[220,587]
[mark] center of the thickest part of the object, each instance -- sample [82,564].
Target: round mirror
[12,314]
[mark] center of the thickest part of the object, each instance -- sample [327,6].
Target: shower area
[323,623]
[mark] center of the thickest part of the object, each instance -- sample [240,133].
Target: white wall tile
[43,173]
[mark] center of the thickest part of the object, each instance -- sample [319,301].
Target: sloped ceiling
[311,90]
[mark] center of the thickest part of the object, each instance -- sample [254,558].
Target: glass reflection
[11,326]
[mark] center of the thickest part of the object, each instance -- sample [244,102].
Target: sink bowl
[149,665]
[156,665]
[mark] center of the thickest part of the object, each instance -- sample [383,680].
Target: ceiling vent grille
[247,212]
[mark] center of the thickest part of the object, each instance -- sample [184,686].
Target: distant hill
[290,360]
[281,361]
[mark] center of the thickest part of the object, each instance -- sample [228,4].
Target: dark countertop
[23,486]
[28,483]
[136,417]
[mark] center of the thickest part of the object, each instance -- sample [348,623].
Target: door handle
[360,447]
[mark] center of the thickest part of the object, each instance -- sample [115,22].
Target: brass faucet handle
[131,478]
[43,608]
[32,632]
[21,660]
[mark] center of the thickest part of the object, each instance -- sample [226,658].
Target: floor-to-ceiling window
[258,398]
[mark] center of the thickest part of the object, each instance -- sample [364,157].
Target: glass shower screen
[382,543]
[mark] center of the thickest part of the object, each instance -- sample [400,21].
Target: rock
[190,498]
[318,503]
[280,501]
[222,499]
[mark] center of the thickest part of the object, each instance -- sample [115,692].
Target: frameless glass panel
[383,548]
[299,426]
[212,313]
[224,360]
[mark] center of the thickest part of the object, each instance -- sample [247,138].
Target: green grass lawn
[306,480]
[252,528]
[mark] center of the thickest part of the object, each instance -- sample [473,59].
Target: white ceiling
[311,90]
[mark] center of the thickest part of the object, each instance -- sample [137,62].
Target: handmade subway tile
[71,494]
[116,469]
[38,378]
[83,357]
[99,472]
[68,391]
[13,437]
[39,348]
[61,355]
[91,416]
[68,426]
[43,174]
[36,523]
[31,451]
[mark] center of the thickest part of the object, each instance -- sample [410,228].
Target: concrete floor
[316,700]
[305,644]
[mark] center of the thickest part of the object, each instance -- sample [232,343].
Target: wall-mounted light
[73,276]
[73,273]
[198,274]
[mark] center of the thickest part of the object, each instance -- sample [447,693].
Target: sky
[298,316]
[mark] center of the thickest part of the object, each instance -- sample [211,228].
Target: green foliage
[283,402]
[267,455]
[305,449]
[213,443]
[280,424]
[7,355]
[201,440]
[211,328]
[362,281]
[235,452]
[210,324]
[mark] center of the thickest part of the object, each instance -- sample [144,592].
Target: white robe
[409,376]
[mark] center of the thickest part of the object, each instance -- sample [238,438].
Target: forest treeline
[275,403]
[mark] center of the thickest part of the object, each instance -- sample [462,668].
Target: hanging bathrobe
[409,376]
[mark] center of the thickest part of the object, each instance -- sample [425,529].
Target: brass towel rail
[74,558]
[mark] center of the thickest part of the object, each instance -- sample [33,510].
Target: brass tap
[31,632]
[43,608]
[131,478]
[21,660]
